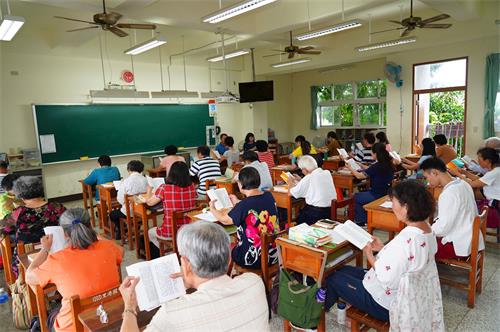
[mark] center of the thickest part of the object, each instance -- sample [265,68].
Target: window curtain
[492,83]
[314,107]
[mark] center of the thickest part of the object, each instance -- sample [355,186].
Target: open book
[360,146]
[155,183]
[286,176]
[395,156]
[467,159]
[216,154]
[118,184]
[206,216]
[353,233]
[354,165]
[58,240]
[155,286]
[222,197]
[343,153]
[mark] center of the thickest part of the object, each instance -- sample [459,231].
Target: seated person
[104,174]
[365,155]
[382,138]
[428,149]
[8,201]
[381,174]
[316,187]
[134,184]
[250,159]
[456,211]
[221,147]
[444,151]
[299,142]
[232,155]
[36,213]
[264,154]
[177,194]
[4,170]
[220,303]
[205,168]
[249,142]
[96,269]
[170,158]
[332,144]
[492,142]
[255,214]
[411,250]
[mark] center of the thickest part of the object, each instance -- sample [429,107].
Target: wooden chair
[170,245]
[361,321]
[92,302]
[105,208]
[266,272]
[273,146]
[6,248]
[346,203]
[128,221]
[88,201]
[474,263]
[142,213]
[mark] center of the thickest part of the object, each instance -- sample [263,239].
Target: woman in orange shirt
[85,267]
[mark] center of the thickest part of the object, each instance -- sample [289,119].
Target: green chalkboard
[92,130]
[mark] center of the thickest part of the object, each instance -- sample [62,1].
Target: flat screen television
[256,91]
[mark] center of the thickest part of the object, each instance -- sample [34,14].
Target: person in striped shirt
[264,154]
[365,155]
[205,168]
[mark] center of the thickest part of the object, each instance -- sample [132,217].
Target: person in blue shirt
[103,174]
[381,174]
[221,148]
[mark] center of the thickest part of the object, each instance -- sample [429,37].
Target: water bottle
[4,303]
[341,313]
[321,295]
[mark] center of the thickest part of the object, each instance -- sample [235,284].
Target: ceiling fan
[108,21]
[291,50]
[412,22]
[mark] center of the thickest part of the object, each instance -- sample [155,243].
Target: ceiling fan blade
[307,48]
[136,26]
[281,51]
[291,55]
[309,52]
[435,26]
[94,27]
[118,32]
[435,18]
[266,56]
[74,19]
[387,30]
[406,33]
[397,22]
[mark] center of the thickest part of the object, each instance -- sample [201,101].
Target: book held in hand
[155,286]
[286,176]
[222,197]
[395,156]
[155,183]
[360,146]
[305,234]
[58,239]
[353,233]
[343,153]
[354,165]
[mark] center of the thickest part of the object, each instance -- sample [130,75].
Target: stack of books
[312,236]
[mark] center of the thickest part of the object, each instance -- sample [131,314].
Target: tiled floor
[458,317]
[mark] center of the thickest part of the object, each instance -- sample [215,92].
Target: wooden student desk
[347,182]
[114,308]
[276,172]
[413,157]
[284,160]
[36,294]
[232,188]
[382,218]
[313,262]
[332,164]
[286,201]
[157,172]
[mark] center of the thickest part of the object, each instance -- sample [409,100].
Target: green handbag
[297,303]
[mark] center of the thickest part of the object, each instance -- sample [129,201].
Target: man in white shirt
[251,159]
[316,187]
[219,303]
[3,173]
[134,184]
[456,211]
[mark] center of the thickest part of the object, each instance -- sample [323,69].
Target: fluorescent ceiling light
[9,26]
[388,43]
[211,94]
[239,8]
[147,45]
[230,55]
[118,93]
[289,63]
[331,29]
[174,94]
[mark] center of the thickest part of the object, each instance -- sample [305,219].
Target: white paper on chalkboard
[48,143]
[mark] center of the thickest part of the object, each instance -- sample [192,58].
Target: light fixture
[9,26]
[331,29]
[389,43]
[289,63]
[230,55]
[144,46]
[174,94]
[211,94]
[237,9]
[118,93]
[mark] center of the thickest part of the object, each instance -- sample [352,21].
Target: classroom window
[445,74]
[497,113]
[352,104]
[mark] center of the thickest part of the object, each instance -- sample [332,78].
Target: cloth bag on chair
[21,310]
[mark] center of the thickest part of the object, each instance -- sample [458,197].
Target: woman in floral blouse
[29,220]
[412,250]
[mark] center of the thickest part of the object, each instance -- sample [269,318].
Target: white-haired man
[316,187]
[219,303]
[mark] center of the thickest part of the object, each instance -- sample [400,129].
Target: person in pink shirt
[170,158]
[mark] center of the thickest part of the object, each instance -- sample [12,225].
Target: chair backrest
[26,248]
[478,229]
[176,216]
[6,248]
[266,240]
[346,203]
[79,305]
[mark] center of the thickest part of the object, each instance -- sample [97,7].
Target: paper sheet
[387,205]
[58,240]
[48,143]
[207,216]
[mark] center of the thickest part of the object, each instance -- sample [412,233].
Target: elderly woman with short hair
[87,266]
[30,219]
[220,303]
